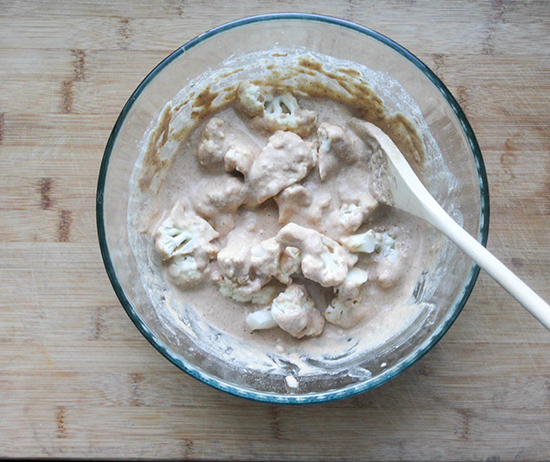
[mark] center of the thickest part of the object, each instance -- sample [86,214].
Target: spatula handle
[494,267]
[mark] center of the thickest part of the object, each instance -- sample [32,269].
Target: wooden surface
[76,377]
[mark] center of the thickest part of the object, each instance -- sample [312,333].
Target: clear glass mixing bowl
[342,40]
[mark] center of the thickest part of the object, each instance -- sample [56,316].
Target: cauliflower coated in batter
[370,241]
[388,255]
[346,310]
[250,99]
[353,212]
[214,197]
[221,144]
[246,266]
[236,276]
[218,200]
[273,109]
[295,313]
[284,161]
[185,271]
[292,200]
[323,260]
[338,144]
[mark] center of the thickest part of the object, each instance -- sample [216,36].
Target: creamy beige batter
[268,230]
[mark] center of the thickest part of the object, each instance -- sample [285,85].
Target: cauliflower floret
[274,110]
[289,264]
[283,113]
[344,310]
[212,146]
[221,144]
[352,212]
[264,258]
[296,204]
[234,264]
[250,99]
[318,208]
[284,161]
[295,312]
[214,196]
[185,239]
[370,241]
[184,270]
[269,259]
[247,293]
[388,270]
[218,199]
[337,143]
[239,159]
[185,233]
[292,200]
[323,260]
[365,243]
[261,319]
[246,267]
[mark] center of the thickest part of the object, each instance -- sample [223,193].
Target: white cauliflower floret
[353,211]
[184,270]
[185,233]
[284,161]
[269,259]
[273,110]
[246,267]
[292,200]
[264,258]
[234,264]
[295,312]
[222,144]
[323,260]
[370,241]
[388,270]
[338,143]
[365,243]
[261,319]
[185,239]
[283,113]
[345,310]
[247,293]
[250,99]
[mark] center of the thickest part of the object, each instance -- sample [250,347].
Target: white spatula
[407,193]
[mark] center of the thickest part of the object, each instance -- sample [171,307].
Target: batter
[266,224]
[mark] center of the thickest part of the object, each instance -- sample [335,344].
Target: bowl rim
[318,397]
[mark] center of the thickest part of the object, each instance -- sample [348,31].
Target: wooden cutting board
[76,377]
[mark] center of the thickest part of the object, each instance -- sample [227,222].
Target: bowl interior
[467,199]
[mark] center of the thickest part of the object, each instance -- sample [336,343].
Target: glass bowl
[342,40]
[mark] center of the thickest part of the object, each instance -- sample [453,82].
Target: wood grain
[77,380]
